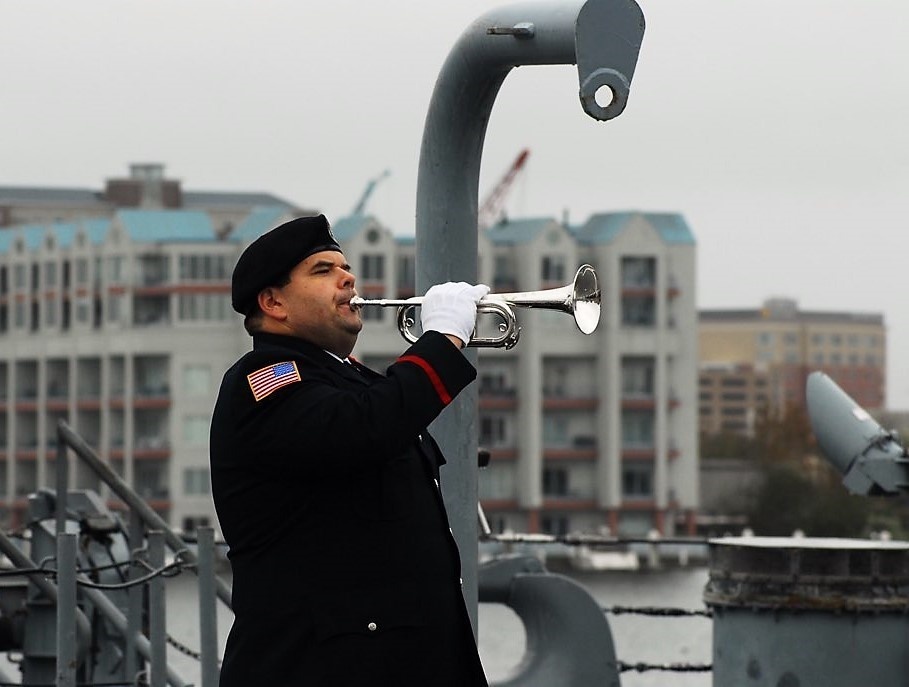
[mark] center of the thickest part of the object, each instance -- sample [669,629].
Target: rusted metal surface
[799,611]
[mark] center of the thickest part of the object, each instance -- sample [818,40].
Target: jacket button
[372,627]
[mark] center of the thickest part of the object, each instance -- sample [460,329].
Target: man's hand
[451,309]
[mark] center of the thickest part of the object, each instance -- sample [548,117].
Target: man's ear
[271,303]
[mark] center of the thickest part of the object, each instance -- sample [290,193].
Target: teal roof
[33,235]
[96,230]
[155,226]
[346,228]
[405,240]
[65,233]
[604,228]
[260,220]
[514,232]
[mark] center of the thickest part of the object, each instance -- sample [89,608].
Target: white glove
[451,308]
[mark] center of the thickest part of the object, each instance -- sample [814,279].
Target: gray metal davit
[603,38]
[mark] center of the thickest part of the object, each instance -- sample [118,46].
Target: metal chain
[672,667]
[656,610]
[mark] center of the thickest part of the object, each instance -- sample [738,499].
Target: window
[153,269]
[637,480]
[407,272]
[503,273]
[556,525]
[638,376]
[207,307]
[552,269]
[496,482]
[50,312]
[372,267]
[196,482]
[555,482]
[204,268]
[637,428]
[638,272]
[555,430]
[81,271]
[494,383]
[115,271]
[50,274]
[492,430]
[197,380]
[639,311]
[19,277]
[195,429]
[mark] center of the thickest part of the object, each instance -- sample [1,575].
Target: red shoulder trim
[431,373]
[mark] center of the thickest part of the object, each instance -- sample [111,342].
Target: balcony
[563,502]
[580,448]
[501,452]
[639,401]
[151,448]
[498,398]
[152,397]
[638,452]
[568,399]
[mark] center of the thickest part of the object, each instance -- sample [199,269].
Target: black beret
[274,254]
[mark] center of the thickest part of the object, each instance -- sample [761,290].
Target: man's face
[315,305]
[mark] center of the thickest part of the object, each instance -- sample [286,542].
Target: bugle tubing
[580,298]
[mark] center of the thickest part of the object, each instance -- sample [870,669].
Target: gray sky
[778,128]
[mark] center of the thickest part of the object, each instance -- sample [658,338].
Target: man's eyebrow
[330,263]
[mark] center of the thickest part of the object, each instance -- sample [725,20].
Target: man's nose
[347,279]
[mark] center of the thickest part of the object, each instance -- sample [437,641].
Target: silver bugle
[580,298]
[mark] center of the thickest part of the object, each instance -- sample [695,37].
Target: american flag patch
[271,378]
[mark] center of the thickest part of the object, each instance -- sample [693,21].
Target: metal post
[66,608]
[132,661]
[62,482]
[208,610]
[603,38]
[156,611]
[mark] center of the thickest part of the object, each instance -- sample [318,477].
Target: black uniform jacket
[326,487]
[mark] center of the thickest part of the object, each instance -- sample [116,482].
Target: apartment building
[146,187]
[585,432]
[749,358]
[122,326]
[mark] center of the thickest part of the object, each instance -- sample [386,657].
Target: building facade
[750,358]
[146,187]
[122,326]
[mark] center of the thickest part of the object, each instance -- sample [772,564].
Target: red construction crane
[492,207]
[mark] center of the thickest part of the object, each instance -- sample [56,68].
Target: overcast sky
[777,128]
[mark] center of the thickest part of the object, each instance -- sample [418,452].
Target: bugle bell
[580,298]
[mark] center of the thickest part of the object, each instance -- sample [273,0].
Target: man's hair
[253,318]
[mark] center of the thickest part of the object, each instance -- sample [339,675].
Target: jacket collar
[272,342]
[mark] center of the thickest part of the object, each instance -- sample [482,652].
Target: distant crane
[492,207]
[367,192]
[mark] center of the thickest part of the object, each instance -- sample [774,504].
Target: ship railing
[142,519]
